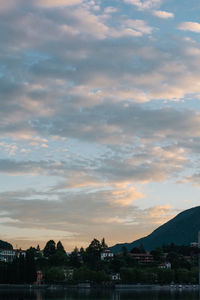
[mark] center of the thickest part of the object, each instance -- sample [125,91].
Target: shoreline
[157,287]
[117,287]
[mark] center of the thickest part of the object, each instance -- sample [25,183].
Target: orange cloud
[125,195]
[159,214]
[53,3]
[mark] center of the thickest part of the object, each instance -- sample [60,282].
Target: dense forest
[85,265]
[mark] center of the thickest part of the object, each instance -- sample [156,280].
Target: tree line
[83,265]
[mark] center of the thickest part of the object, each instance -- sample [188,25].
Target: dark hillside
[181,230]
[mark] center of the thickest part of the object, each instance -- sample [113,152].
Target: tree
[84,274]
[92,255]
[157,254]
[74,258]
[124,251]
[54,274]
[82,254]
[178,261]
[141,247]
[183,275]
[165,275]
[135,250]
[5,245]
[103,244]
[116,264]
[60,247]
[58,259]
[50,248]
[30,265]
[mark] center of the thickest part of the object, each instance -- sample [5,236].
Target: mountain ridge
[181,230]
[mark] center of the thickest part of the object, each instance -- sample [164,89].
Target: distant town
[97,264]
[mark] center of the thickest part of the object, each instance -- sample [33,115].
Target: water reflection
[116,296]
[98,295]
[38,295]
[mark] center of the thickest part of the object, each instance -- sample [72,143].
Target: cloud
[8,5]
[16,168]
[193,179]
[58,3]
[71,217]
[154,165]
[158,215]
[190,26]
[129,71]
[140,26]
[139,128]
[110,10]
[110,172]
[9,148]
[96,104]
[146,4]
[163,14]
[89,23]
[124,195]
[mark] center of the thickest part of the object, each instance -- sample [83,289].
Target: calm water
[98,295]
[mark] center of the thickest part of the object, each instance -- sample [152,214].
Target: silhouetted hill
[5,245]
[181,230]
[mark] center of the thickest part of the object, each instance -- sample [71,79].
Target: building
[166,265]
[115,276]
[7,255]
[106,254]
[68,273]
[20,252]
[143,258]
[39,277]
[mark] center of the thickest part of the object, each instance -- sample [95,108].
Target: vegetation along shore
[172,266]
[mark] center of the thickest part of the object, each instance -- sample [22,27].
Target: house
[166,265]
[39,277]
[115,276]
[106,254]
[20,252]
[68,273]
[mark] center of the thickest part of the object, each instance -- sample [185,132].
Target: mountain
[5,245]
[181,230]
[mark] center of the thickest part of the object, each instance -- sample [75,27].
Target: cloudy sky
[99,118]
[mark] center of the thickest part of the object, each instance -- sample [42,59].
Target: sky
[99,118]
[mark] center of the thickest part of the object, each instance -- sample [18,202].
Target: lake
[98,295]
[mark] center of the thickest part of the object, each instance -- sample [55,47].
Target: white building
[7,255]
[166,265]
[106,254]
[115,276]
